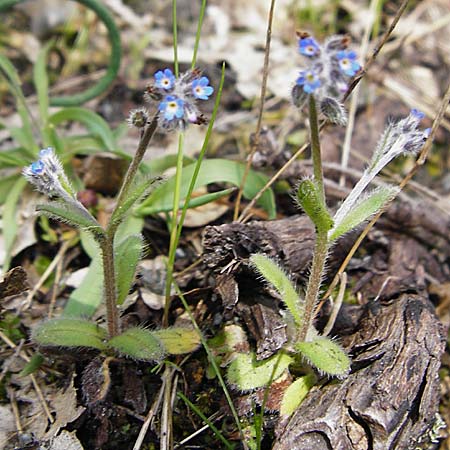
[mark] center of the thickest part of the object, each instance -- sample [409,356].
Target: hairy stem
[314,282]
[315,147]
[147,134]
[112,316]
[321,245]
[107,241]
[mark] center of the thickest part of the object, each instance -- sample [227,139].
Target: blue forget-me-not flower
[348,63]
[164,79]
[328,70]
[178,98]
[47,175]
[309,81]
[308,46]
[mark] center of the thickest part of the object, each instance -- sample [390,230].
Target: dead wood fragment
[290,241]
[390,399]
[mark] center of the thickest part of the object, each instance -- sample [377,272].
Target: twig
[150,417]
[58,275]
[354,100]
[166,415]
[255,142]
[337,306]
[51,267]
[15,409]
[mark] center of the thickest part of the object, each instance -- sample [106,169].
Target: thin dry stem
[255,143]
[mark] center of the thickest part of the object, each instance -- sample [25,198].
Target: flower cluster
[402,137]
[330,67]
[47,175]
[177,97]
[399,138]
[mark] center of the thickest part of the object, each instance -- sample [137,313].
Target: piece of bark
[390,399]
[289,241]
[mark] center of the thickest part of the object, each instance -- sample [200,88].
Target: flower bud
[299,96]
[333,111]
[138,118]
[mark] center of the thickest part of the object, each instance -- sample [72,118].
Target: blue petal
[37,167]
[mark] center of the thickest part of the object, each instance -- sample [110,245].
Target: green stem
[112,316]
[321,245]
[173,230]
[315,147]
[314,282]
[197,36]
[146,136]
[175,37]
[107,242]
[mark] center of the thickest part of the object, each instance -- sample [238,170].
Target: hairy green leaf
[296,393]
[310,200]
[363,210]
[325,355]
[211,171]
[177,340]
[137,192]
[276,276]
[71,214]
[246,373]
[70,332]
[138,343]
[127,255]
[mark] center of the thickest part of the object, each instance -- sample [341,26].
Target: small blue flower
[347,62]
[172,107]
[309,80]
[37,167]
[46,152]
[426,133]
[200,88]
[164,79]
[417,114]
[308,47]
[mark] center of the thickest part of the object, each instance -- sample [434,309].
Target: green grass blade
[206,420]
[198,34]
[202,152]
[40,79]
[175,37]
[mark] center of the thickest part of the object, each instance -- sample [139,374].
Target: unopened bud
[138,118]
[299,96]
[333,111]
